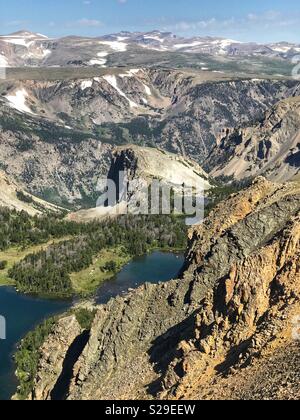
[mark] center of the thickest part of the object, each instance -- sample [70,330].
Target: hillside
[13,196]
[230,315]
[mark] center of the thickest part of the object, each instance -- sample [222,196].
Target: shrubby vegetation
[110,266]
[3,265]
[24,197]
[85,318]
[27,357]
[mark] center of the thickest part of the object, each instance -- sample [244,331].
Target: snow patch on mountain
[112,80]
[42,36]
[101,60]
[18,101]
[85,84]
[98,62]
[130,73]
[147,90]
[187,45]
[46,52]
[18,41]
[3,61]
[118,46]
[154,38]
[102,54]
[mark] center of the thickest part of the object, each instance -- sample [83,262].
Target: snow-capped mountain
[166,41]
[25,48]
[23,38]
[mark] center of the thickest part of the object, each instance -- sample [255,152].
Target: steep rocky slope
[271,148]
[59,164]
[57,136]
[113,96]
[13,196]
[67,332]
[199,115]
[213,332]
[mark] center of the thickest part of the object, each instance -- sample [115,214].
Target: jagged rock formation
[57,136]
[226,320]
[271,148]
[59,164]
[115,95]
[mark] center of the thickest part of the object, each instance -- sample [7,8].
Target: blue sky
[255,20]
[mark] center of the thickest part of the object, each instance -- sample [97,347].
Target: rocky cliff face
[229,314]
[133,170]
[55,357]
[57,136]
[271,148]
[197,118]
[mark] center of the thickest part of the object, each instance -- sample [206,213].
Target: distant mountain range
[25,48]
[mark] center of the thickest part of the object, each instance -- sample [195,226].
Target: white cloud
[249,24]
[84,22]
[20,23]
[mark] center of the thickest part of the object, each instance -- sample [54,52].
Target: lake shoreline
[153,267]
[93,292]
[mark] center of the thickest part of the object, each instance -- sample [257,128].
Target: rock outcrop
[55,352]
[271,148]
[212,333]
[134,170]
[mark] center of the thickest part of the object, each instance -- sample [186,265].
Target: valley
[78,122]
[74,258]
